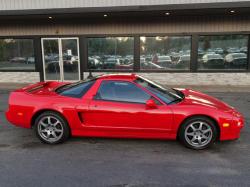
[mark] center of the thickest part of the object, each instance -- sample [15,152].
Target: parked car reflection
[94,63]
[236,60]
[111,63]
[212,60]
[243,50]
[16,59]
[165,61]
[31,60]
[218,51]
[233,50]
[200,53]
[183,62]
[69,64]
[144,66]
[175,57]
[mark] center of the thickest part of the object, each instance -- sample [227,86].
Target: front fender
[183,112]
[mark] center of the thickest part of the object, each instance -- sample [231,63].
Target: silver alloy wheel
[198,134]
[50,129]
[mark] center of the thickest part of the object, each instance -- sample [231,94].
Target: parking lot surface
[106,162]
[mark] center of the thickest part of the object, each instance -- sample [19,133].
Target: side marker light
[225,124]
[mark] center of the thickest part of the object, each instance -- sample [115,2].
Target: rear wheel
[51,128]
[198,132]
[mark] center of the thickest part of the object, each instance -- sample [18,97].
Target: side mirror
[151,104]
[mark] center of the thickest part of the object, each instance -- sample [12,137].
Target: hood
[193,97]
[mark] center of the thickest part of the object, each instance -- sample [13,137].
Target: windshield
[185,58]
[166,94]
[109,60]
[164,58]
[240,56]
[214,56]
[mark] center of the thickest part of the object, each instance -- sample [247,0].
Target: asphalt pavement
[105,162]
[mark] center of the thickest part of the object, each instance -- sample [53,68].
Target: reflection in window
[17,54]
[111,53]
[167,53]
[223,52]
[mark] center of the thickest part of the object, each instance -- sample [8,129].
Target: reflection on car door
[119,109]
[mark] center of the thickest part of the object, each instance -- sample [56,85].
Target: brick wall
[196,78]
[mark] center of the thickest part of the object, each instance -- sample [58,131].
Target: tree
[123,50]
[206,44]
[2,51]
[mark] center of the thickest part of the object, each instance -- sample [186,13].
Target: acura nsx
[122,106]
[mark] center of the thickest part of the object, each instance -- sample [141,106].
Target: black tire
[195,121]
[61,126]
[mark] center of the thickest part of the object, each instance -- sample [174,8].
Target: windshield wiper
[178,99]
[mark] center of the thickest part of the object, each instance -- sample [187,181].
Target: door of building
[61,60]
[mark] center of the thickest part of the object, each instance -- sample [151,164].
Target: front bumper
[229,135]
[235,127]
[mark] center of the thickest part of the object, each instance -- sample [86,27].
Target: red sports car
[124,106]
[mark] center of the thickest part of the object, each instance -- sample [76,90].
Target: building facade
[170,41]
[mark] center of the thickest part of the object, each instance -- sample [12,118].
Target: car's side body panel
[128,119]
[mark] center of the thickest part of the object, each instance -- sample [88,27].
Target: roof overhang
[198,9]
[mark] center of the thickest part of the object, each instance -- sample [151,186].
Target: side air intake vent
[79,114]
[34,89]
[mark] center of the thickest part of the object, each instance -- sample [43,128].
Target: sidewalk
[200,88]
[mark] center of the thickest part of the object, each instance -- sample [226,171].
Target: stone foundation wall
[195,78]
[163,78]
[20,77]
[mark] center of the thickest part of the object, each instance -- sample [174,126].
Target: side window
[78,91]
[121,91]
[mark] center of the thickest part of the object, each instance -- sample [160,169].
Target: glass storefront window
[165,53]
[228,52]
[17,54]
[112,53]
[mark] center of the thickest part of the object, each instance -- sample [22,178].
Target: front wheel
[51,128]
[198,132]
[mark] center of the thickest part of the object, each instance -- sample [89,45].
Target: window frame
[37,68]
[174,70]
[86,68]
[225,70]
[83,52]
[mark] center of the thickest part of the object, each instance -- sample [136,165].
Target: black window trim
[84,53]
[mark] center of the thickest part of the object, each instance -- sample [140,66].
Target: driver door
[119,109]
